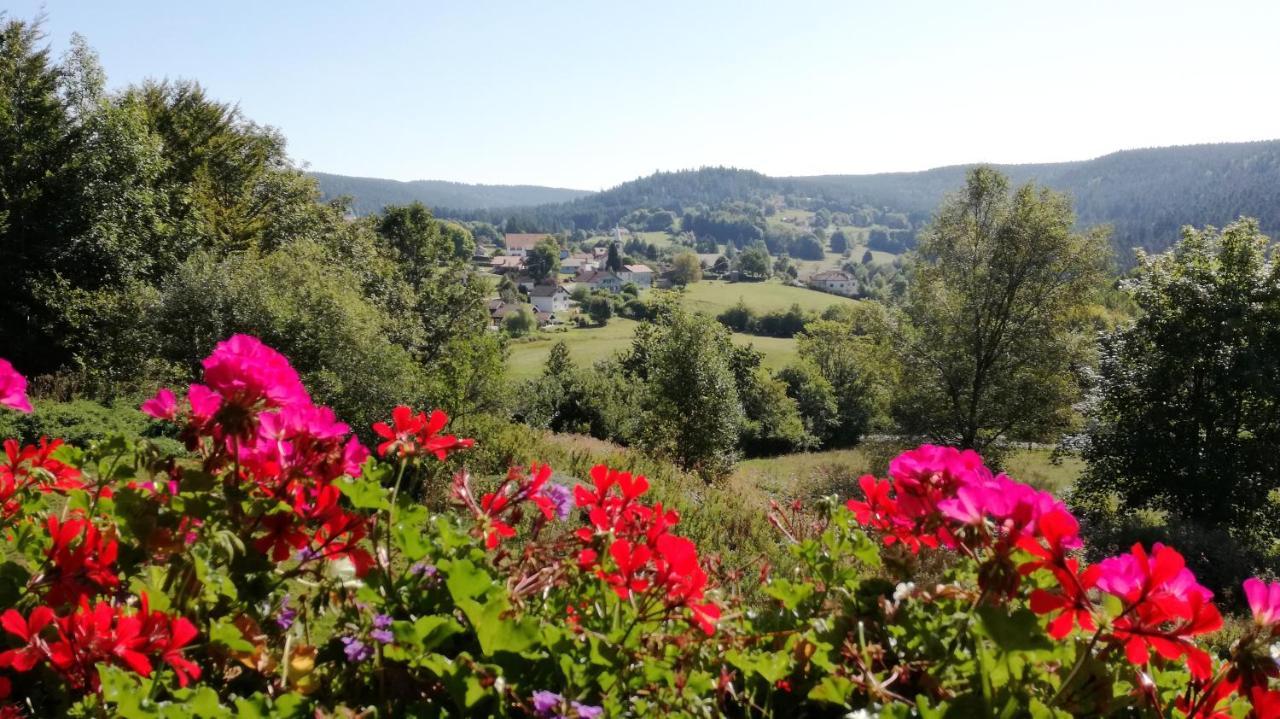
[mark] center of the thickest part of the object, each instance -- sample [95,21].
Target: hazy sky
[589,94]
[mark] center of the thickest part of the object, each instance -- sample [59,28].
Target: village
[558,299]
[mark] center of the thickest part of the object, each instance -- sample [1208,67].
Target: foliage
[686,269]
[520,322]
[753,264]
[694,414]
[600,309]
[988,334]
[285,572]
[543,260]
[1198,363]
[141,226]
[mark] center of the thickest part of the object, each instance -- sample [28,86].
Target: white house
[549,298]
[519,244]
[641,275]
[834,281]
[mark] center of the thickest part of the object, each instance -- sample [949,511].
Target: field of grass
[715,296]
[586,345]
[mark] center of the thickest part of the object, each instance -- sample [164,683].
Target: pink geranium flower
[13,388]
[244,371]
[1264,600]
[163,406]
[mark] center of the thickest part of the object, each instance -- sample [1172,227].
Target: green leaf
[409,533]
[791,594]
[833,689]
[228,635]
[364,492]
[1018,630]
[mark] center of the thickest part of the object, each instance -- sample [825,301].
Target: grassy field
[715,296]
[527,356]
[586,345]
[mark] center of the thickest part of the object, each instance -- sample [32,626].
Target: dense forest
[370,194]
[1146,195]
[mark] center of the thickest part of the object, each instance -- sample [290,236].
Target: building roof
[546,290]
[638,268]
[524,241]
[597,276]
[507,262]
[832,276]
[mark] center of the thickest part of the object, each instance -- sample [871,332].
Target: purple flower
[356,650]
[586,711]
[561,497]
[306,554]
[287,615]
[383,635]
[423,568]
[381,621]
[545,703]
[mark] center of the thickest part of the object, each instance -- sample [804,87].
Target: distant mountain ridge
[371,194]
[1147,195]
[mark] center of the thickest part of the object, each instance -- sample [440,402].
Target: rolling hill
[370,194]
[1146,194]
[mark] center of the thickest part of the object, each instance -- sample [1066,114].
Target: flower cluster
[101,634]
[253,414]
[410,435]
[13,388]
[942,497]
[80,562]
[549,705]
[33,466]
[640,554]
[499,511]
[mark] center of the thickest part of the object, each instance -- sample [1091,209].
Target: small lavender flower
[586,711]
[306,554]
[562,497]
[287,615]
[356,650]
[545,703]
[423,568]
[382,635]
[381,621]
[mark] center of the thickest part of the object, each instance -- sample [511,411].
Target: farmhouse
[549,298]
[641,275]
[601,280]
[519,244]
[834,281]
[506,264]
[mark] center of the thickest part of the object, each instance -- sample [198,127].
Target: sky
[593,93]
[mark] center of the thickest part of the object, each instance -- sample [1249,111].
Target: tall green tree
[989,337]
[753,264]
[692,411]
[686,269]
[613,261]
[1187,412]
[543,260]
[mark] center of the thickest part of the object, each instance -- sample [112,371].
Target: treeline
[685,391]
[368,195]
[1145,195]
[138,228]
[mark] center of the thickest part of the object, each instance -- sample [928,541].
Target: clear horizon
[586,97]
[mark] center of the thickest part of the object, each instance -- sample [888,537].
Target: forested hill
[1147,195]
[370,194]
